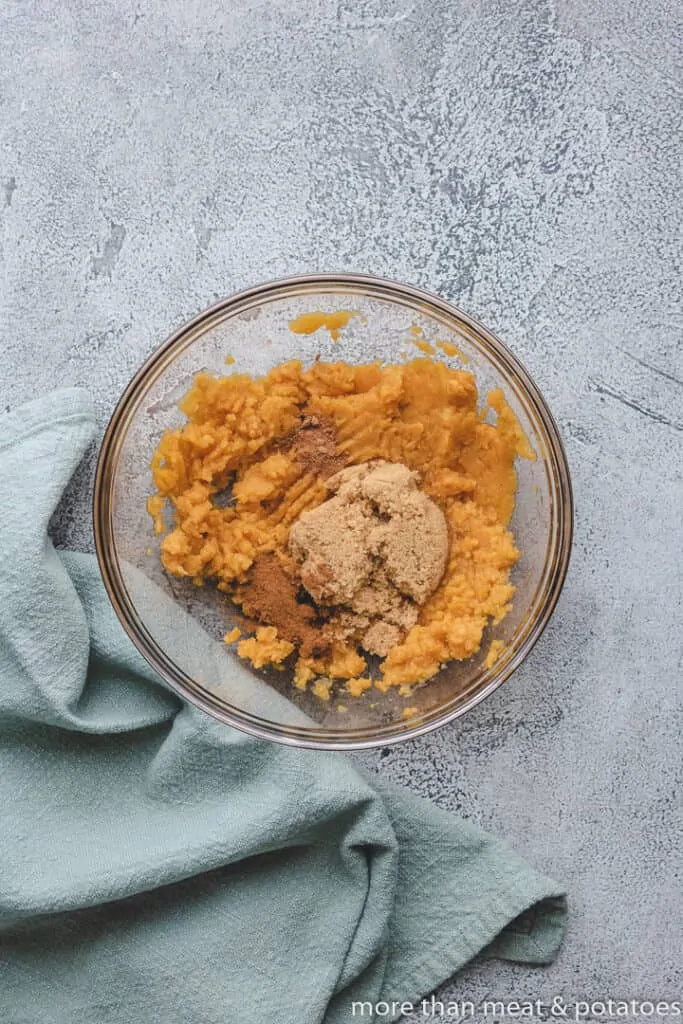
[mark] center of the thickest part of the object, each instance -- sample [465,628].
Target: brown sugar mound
[410,532]
[376,550]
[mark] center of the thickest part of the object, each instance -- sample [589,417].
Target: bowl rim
[197,695]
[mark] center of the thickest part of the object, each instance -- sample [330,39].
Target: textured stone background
[521,158]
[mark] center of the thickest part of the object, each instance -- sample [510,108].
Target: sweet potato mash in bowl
[333,511]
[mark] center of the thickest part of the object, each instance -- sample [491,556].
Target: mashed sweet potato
[422,414]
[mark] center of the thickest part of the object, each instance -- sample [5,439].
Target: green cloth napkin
[158,866]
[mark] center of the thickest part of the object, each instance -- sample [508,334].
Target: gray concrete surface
[521,158]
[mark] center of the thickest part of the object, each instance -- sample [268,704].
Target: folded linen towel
[158,866]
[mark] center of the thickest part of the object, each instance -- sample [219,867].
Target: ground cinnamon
[314,446]
[270,596]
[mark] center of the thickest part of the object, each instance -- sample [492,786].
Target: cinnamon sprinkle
[271,597]
[314,446]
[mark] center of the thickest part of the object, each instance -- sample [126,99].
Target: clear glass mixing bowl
[178,627]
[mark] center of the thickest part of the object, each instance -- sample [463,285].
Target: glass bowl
[179,627]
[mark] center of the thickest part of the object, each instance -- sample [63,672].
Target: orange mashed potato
[423,414]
